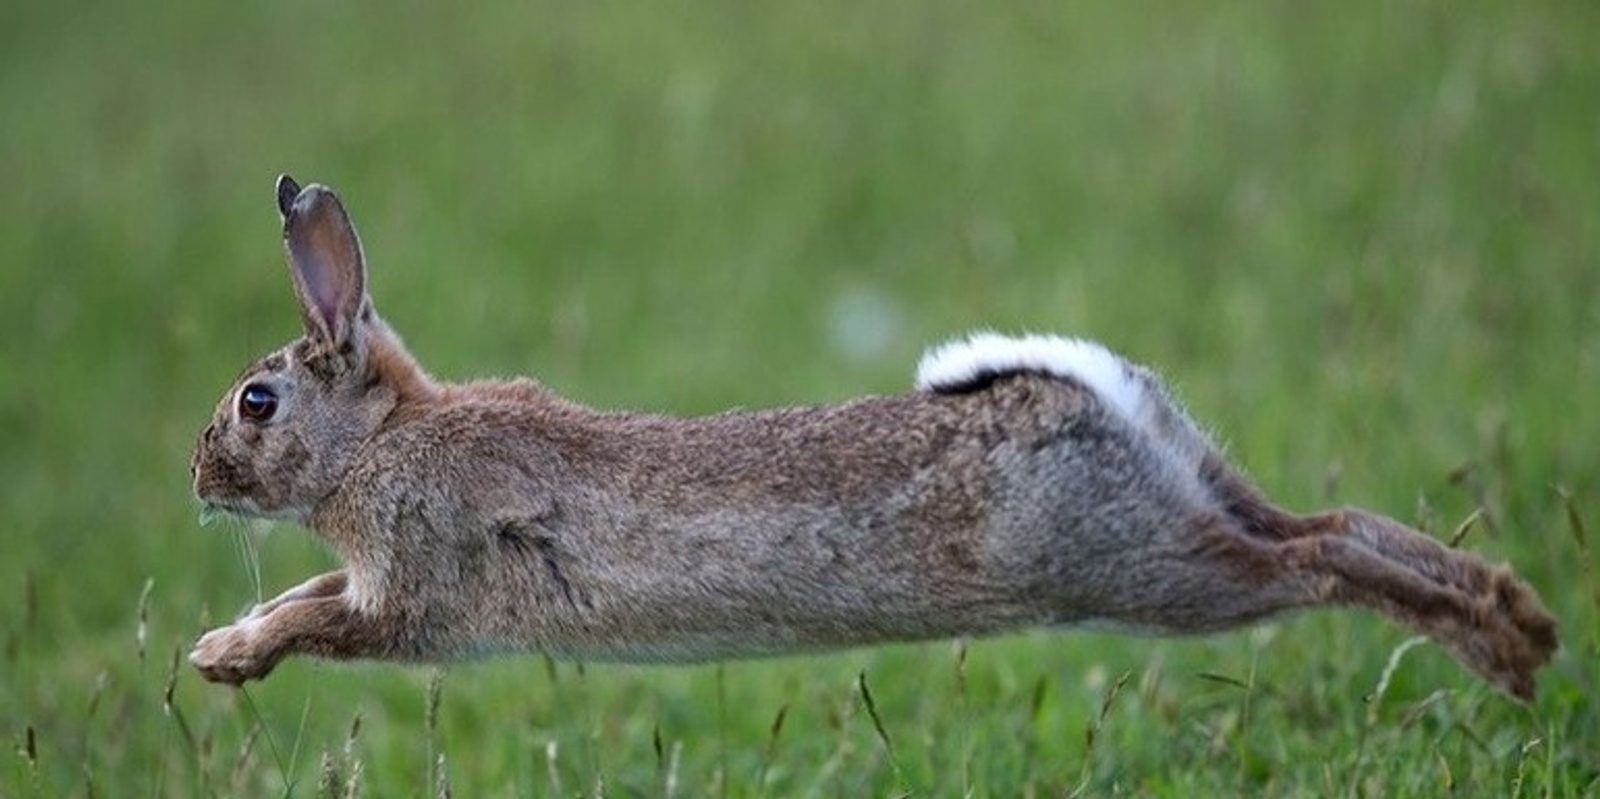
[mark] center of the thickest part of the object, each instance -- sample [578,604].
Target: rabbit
[1025,482]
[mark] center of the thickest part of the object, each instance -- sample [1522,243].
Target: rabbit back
[530,521]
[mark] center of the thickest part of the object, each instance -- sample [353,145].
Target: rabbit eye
[257,403]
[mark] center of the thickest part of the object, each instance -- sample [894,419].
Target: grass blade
[877,725]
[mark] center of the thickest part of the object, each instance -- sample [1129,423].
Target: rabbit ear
[325,261]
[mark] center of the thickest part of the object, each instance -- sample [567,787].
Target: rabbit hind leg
[1494,632]
[1220,575]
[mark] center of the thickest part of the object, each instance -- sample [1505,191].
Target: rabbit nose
[205,438]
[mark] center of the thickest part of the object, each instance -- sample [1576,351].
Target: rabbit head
[283,434]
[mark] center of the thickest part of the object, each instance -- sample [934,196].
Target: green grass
[1362,240]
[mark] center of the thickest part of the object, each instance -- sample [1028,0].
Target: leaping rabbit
[1024,482]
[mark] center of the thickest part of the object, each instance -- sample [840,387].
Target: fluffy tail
[1132,391]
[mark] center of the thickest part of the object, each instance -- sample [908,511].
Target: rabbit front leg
[320,624]
[329,584]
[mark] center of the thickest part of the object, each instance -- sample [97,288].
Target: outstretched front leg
[314,618]
[328,584]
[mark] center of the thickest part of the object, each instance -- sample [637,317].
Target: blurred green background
[1361,240]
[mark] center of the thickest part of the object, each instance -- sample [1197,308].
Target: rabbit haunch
[1132,391]
[1028,481]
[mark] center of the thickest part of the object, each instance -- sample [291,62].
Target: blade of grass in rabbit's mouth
[210,512]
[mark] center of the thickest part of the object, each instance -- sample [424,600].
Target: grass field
[1361,240]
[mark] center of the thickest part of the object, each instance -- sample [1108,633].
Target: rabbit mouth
[212,510]
[241,508]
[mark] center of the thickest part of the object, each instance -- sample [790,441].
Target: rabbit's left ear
[326,264]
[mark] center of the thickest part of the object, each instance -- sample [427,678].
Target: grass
[1359,239]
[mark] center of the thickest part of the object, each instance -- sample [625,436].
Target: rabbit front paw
[234,653]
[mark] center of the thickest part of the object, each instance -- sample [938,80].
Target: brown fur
[498,516]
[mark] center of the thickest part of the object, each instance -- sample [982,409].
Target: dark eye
[257,403]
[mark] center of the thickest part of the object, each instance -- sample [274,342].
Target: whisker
[245,547]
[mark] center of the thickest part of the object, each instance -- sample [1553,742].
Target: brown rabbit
[1026,481]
